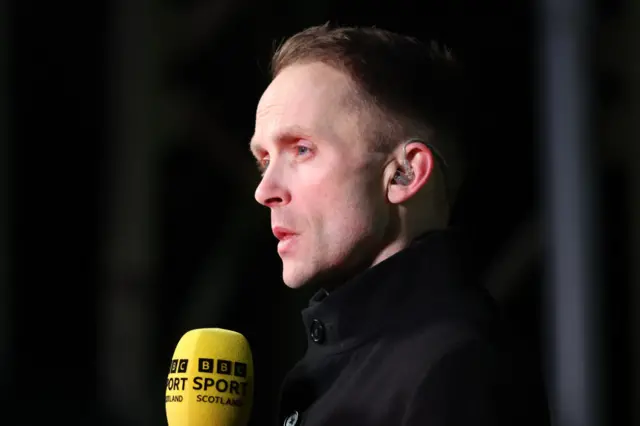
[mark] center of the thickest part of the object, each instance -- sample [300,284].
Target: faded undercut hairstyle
[406,89]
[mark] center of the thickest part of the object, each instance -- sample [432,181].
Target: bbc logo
[179,366]
[222,366]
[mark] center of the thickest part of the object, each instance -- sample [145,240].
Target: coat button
[292,419]
[316,331]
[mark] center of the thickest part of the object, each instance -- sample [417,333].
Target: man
[356,137]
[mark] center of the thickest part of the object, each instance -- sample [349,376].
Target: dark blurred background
[128,189]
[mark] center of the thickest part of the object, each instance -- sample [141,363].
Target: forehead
[312,96]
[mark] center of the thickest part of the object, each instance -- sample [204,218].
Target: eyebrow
[254,146]
[288,132]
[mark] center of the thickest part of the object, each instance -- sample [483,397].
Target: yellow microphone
[210,381]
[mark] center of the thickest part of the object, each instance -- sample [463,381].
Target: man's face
[325,191]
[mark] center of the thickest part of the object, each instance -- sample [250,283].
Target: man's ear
[409,171]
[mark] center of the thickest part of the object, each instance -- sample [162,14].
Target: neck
[338,278]
[392,246]
[404,239]
[391,249]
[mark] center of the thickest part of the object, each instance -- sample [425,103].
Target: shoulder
[417,351]
[472,378]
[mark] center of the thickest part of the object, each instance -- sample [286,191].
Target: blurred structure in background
[570,175]
[129,190]
[128,302]
[616,113]
[5,164]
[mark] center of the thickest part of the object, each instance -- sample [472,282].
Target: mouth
[286,236]
[282,233]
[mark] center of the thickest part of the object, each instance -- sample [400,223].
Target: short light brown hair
[409,89]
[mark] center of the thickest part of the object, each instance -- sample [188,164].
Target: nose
[271,193]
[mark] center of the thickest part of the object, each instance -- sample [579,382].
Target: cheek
[342,211]
[337,200]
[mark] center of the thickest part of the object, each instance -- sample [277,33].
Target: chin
[293,280]
[308,276]
[297,274]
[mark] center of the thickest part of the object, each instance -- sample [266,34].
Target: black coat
[411,341]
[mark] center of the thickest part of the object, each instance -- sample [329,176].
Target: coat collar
[425,280]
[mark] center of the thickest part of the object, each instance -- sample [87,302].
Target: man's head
[346,135]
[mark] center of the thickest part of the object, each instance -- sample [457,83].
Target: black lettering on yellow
[211,399]
[202,383]
[224,366]
[240,369]
[222,385]
[197,383]
[176,383]
[208,382]
[205,365]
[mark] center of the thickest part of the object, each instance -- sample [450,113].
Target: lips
[282,233]
[286,237]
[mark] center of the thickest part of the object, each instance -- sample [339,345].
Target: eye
[263,163]
[302,150]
